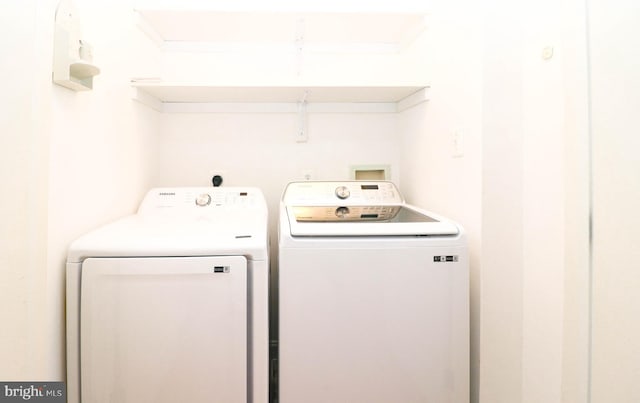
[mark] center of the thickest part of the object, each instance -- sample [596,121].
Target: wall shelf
[169,27]
[173,97]
[310,60]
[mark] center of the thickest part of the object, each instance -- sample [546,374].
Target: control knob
[342,192]
[203,199]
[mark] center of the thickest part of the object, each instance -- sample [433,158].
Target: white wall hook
[73,66]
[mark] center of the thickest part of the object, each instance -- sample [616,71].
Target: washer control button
[342,192]
[342,212]
[203,199]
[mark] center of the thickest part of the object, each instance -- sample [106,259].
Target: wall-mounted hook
[73,66]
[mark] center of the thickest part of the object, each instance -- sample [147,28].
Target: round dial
[341,212]
[342,192]
[203,199]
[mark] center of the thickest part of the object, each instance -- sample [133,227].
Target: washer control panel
[343,201]
[353,193]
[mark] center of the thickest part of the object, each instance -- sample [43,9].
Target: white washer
[373,298]
[171,304]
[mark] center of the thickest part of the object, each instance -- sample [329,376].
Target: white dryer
[171,304]
[373,298]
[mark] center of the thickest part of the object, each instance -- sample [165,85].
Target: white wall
[501,279]
[575,371]
[76,160]
[543,203]
[259,149]
[614,49]
[23,174]
[430,176]
[531,113]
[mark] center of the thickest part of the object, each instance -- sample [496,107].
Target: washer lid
[404,220]
[357,208]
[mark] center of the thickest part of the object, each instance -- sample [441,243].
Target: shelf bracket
[302,136]
[299,45]
[412,100]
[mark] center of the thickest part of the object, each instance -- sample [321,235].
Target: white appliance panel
[373,298]
[377,324]
[164,329]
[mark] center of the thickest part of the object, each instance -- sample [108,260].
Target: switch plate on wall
[457,144]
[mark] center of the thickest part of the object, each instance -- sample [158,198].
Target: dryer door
[164,329]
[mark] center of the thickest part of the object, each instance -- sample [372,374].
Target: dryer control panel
[200,199]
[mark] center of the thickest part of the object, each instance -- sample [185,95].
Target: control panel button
[203,199]
[342,192]
[342,212]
